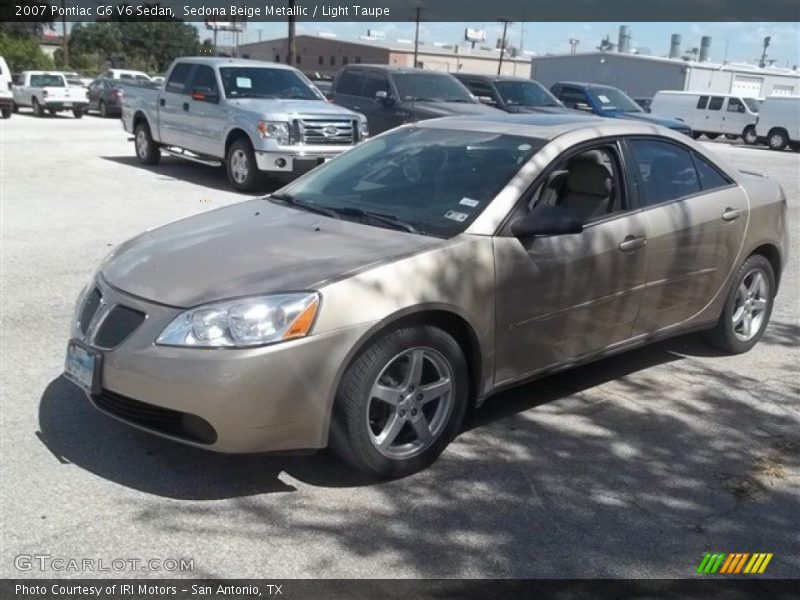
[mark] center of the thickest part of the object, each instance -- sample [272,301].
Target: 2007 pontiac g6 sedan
[369,304]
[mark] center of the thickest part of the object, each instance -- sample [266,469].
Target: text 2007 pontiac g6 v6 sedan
[369,303]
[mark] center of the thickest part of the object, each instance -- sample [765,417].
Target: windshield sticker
[456,216]
[244,82]
[469,202]
[603,99]
[524,147]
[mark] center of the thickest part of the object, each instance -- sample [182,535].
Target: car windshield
[431,87]
[525,93]
[609,98]
[752,104]
[260,82]
[428,180]
[48,81]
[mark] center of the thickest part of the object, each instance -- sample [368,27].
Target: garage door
[747,86]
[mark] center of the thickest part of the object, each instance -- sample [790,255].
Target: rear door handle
[631,243]
[162,102]
[731,214]
[186,106]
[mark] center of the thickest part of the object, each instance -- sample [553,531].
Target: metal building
[643,76]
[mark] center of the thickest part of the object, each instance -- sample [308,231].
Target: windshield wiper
[292,201]
[390,220]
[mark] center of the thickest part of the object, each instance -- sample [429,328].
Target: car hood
[278,109]
[542,110]
[650,118]
[250,248]
[446,109]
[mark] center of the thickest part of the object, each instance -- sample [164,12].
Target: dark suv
[391,96]
[511,94]
[609,102]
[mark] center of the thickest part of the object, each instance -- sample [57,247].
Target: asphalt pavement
[634,466]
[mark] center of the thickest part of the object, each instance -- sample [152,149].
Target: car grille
[162,420]
[117,326]
[90,306]
[326,131]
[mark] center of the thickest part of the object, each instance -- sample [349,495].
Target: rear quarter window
[349,83]
[178,78]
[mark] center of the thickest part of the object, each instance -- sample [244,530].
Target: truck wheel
[6,113]
[777,139]
[77,113]
[731,136]
[146,149]
[37,108]
[241,166]
[696,134]
[400,402]
[749,135]
[712,136]
[103,109]
[15,107]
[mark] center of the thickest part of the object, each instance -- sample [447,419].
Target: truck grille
[326,131]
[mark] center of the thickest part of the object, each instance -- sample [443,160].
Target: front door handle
[631,243]
[731,214]
[186,106]
[162,102]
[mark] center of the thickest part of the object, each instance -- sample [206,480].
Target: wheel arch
[139,117]
[236,133]
[771,252]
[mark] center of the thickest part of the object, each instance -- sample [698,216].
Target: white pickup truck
[48,91]
[255,117]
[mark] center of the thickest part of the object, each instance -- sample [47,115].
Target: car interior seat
[588,189]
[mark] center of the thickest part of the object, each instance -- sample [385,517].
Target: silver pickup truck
[255,117]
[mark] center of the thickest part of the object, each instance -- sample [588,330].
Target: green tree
[23,53]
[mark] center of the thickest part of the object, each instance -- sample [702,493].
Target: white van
[711,115]
[6,97]
[778,122]
[126,74]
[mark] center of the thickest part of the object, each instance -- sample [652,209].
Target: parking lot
[634,466]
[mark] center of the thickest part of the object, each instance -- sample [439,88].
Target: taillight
[116,93]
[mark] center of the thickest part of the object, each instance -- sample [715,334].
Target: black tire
[777,139]
[731,136]
[15,107]
[102,109]
[146,149]
[6,113]
[77,113]
[241,167]
[37,108]
[353,426]
[712,136]
[795,146]
[724,334]
[53,112]
[749,135]
[696,134]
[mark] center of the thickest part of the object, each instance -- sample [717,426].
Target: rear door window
[204,80]
[710,177]
[178,78]
[375,82]
[571,97]
[350,83]
[666,171]
[716,103]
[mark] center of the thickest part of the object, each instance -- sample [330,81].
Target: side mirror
[487,100]
[546,220]
[583,106]
[205,96]
[383,97]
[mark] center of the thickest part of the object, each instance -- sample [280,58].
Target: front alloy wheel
[400,402]
[241,165]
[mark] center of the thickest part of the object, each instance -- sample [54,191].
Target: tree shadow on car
[174,168]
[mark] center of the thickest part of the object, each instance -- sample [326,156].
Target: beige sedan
[368,304]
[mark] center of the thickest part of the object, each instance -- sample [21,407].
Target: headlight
[243,323]
[276,130]
[363,129]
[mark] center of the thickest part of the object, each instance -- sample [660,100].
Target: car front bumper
[64,104]
[296,159]
[271,398]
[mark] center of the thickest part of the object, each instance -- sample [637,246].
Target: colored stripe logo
[734,563]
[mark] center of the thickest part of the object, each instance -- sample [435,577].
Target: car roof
[219,61]
[540,126]
[586,85]
[393,69]
[489,77]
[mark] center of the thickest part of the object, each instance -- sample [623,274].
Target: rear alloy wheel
[749,135]
[777,140]
[747,308]
[146,150]
[6,113]
[401,402]
[103,109]
[37,108]
[241,166]
[77,113]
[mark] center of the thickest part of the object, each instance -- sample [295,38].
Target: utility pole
[290,43]
[418,10]
[505,23]
[763,62]
[64,35]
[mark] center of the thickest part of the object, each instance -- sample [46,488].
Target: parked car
[391,96]
[711,115]
[6,97]
[607,101]
[644,103]
[511,94]
[105,97]
[255,117]
[127,74]
[48,91]
[368,304]
[778,123]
